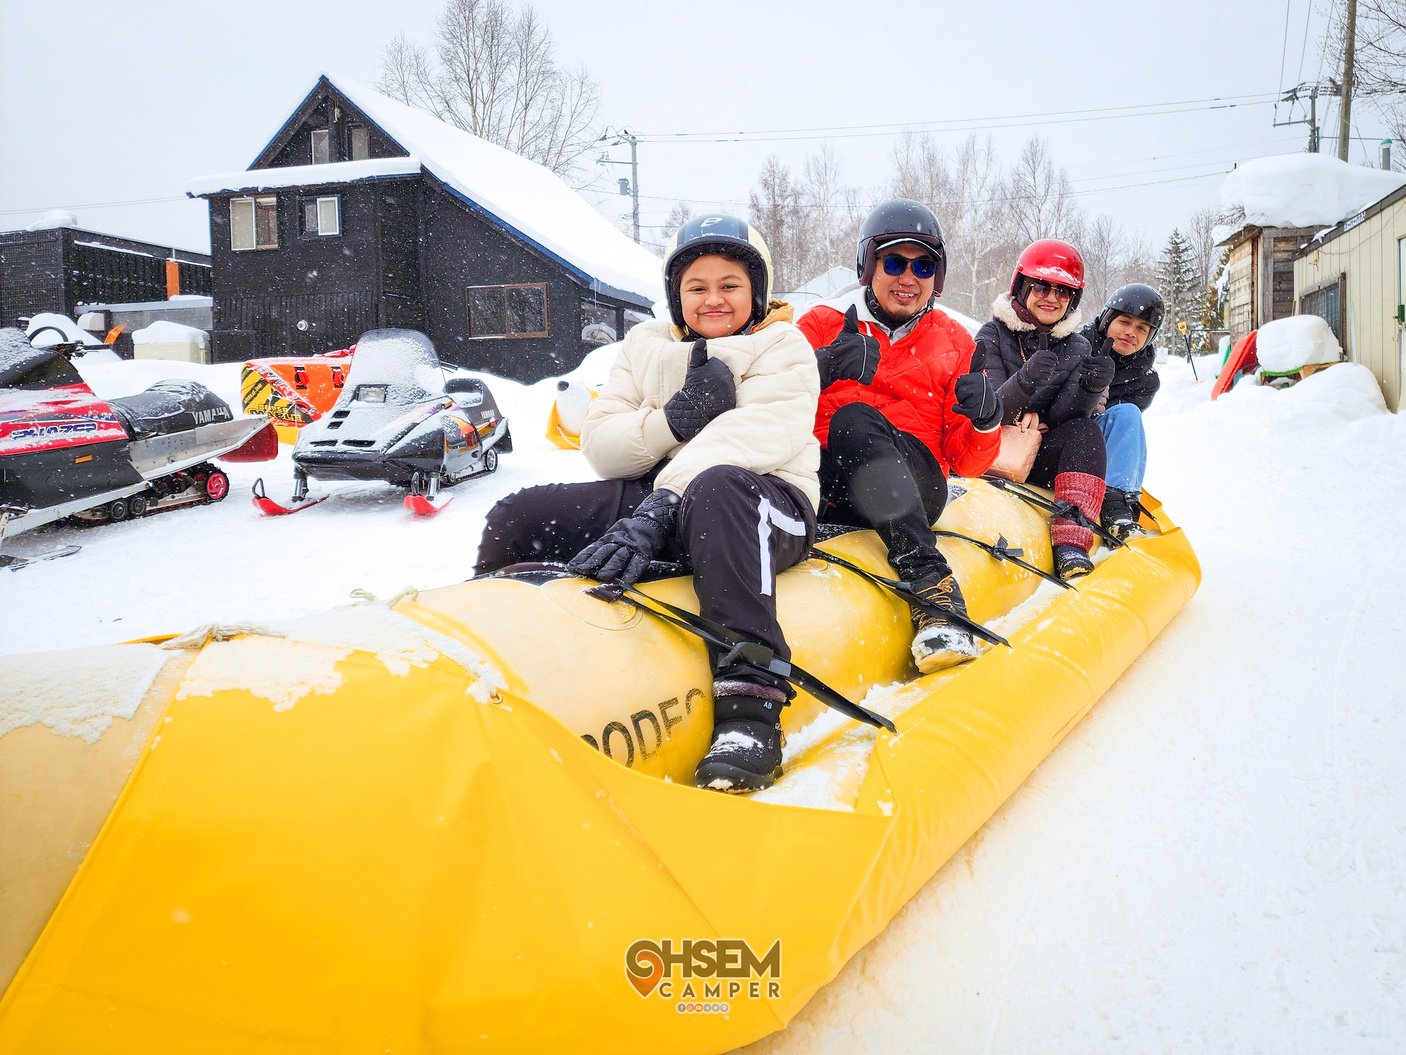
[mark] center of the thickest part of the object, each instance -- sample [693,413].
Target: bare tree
[1041,203]
[775,208]
[1379,52]
[494,73]
[829,217]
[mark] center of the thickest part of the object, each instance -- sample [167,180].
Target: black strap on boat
[737,648]
[1001,550]
[1056,507]
[906,591]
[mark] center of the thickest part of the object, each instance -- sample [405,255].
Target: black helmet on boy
[900,220]
[726,236]
[1135,299]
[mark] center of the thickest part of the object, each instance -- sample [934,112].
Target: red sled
[1242,360]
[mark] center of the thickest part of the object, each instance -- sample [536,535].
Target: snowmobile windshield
[24,366]
[394,367]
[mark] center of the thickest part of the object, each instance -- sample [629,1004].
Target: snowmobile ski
[15,562]
[424,506]
[269,508]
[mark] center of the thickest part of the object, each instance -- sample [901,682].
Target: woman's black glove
[1095,372]
[623,553]
[708,390]
[1039,369]
[852,356]
[976,398]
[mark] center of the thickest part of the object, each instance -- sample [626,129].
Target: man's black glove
[1095,372]
[1039,369]
[852,356]
[976,397]
[708,390]
[623,553]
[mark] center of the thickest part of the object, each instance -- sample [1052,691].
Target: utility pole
[1345,111]
[615,139]
[1293,96]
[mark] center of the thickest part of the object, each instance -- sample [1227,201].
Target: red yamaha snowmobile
[398,420]
[65,452]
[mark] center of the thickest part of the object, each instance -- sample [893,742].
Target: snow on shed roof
[514,192]
[1304,190]
[303,175]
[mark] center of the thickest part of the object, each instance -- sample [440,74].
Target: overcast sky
[108,109]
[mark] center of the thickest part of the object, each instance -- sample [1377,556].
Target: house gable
[326,109]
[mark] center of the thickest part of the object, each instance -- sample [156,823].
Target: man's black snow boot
[939,641]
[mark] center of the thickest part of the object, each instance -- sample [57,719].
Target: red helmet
[1050,260]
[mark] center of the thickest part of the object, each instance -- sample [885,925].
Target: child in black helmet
[1125,327]
[702,435]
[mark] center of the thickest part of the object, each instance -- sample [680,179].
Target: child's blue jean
[1126,441]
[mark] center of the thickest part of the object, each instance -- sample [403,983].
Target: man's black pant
[736,528]
[877,476]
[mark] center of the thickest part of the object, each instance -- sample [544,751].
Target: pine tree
[1180,286]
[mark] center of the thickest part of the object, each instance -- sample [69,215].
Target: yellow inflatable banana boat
[462,822]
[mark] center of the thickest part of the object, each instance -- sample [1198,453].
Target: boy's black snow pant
[877,476]
[1073,446]
[736,528]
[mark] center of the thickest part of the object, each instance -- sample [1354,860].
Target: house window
[253,223]
[598,324]
[322,216]
[507,311]
[360,143]
[1328,303]
[321,146]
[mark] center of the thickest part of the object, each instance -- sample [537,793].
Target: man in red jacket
[902,405]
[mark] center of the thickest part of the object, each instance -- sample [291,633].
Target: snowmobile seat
[170,406]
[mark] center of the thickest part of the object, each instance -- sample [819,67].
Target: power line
[773,135]
[94,205]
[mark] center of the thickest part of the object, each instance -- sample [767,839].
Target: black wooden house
[60,268]
[362,212]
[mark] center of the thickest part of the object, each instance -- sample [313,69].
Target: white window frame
[329,215]
[326,141]
[251,228]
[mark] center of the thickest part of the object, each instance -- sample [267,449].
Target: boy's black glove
[1039,369]
[976,397]
[623,553]
[852,356]
[708,390]
[1095,372]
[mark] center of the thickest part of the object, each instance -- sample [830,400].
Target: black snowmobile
[64,451]
[398,420]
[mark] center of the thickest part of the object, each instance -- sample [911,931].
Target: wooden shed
[1260,275]
[362,212]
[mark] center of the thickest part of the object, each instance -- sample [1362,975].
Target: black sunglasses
[895,265]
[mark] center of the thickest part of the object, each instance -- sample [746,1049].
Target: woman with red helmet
[1041,365]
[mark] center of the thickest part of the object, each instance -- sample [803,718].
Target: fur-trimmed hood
[1002,308]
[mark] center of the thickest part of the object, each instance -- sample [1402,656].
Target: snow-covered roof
[303,175]
[1304,190]
[510,190]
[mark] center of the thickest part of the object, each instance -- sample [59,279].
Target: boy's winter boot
[939,641]
[1119,516]
[1070,562]
[745,754]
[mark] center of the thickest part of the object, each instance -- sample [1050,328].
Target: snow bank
[1304,190]
[170,332]
[53,218]
[71,331]
[1293,343]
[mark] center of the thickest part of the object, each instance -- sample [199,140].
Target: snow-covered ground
[1212,862]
